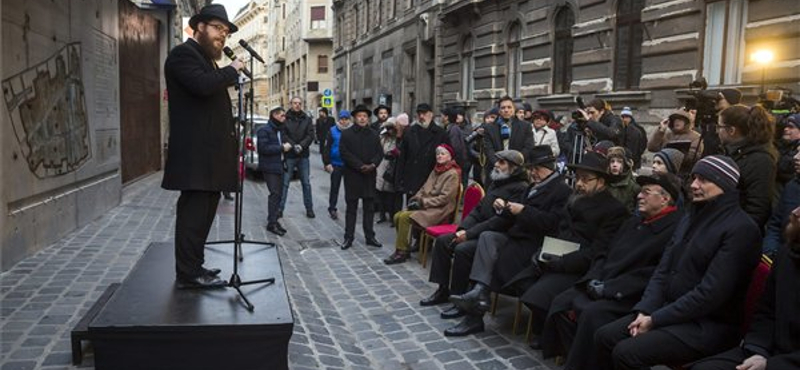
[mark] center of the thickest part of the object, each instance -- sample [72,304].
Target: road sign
[327,92]
[327,102]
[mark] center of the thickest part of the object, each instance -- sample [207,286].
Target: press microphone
[250,50]
[232,56]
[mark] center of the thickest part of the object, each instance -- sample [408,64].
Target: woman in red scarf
[434,204]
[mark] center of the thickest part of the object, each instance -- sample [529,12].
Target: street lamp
[762,57]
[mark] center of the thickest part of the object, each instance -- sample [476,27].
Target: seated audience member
[509,181]
[620,180]
[746,135]
[678,127]
[694,302]
[501,255]
[616,279]
[772,341]
[591,218]
[433,204]
[790,199]
[668,160]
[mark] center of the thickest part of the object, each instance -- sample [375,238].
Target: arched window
[562,51]
[467,68]
[513,70]
[628,50]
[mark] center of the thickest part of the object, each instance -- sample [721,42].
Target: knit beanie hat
[402,120]
[626,111]
[449,149]
[719,169]
[672,158]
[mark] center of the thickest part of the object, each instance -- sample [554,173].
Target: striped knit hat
[719,169]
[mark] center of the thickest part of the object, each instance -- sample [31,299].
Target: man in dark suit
[507,133]
[201,159]
[693,305]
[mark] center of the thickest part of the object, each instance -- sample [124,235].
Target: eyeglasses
[221,29]
[585,179]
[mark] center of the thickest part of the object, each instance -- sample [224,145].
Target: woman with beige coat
[678,127]
[434,203]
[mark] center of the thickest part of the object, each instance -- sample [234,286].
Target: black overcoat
[521,139]
[418,156]
[201,154]
[697,292]
[483,217]
[359,146]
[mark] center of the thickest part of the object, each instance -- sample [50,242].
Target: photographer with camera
[601,123]
[675,131]
[746,135]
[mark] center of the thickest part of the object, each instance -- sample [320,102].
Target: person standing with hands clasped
[270,162]
[201,158]
[361,153]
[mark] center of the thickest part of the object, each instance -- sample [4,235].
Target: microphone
[251,51]
[232,56]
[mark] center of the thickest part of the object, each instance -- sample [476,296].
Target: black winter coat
[757,168]
[323,126]
[483,217]
[202,141]
[608,128]
[270,148]
[775,330]
[698,289]
[634,138]
[298,130]
[521,139]
[417,156]
[359,146]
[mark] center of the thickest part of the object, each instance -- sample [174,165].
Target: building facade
[253,22]
[637,53]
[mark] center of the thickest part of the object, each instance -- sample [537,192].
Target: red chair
[472,196]
[754,291]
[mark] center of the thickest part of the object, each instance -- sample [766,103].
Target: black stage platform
[148,324]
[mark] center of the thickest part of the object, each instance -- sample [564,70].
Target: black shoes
[471,324]
[452,312]
[310,214]
[200,282]
[477,300]
[348,242]
[212,272]
[536,343]
[374,242]
[438,297]
[395,258]
[334,215]
[276,229]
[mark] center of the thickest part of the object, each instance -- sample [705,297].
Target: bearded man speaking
[201,158]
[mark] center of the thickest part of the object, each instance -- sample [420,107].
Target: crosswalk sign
[327,102]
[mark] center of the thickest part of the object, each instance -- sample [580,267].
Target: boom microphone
[251,51]
[232,56]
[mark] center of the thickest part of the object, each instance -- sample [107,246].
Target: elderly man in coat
[418,151]
[772,341]
[202,143]
[616,279]
[361,153]
[501,255]
[694,303]
[455,251]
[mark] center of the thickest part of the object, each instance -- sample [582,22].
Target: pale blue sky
[232,6]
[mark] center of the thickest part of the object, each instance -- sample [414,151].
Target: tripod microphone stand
[243,129]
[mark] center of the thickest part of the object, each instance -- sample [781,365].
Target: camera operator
[746,134]
[711,141]
[601,123]
[678,127]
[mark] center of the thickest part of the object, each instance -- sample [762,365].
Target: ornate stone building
[253,22]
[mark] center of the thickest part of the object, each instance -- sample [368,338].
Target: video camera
[779,101]
[704,101]
[577,116]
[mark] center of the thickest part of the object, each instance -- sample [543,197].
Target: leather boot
[452,312]
[438,297]
[471,324]
[477,300]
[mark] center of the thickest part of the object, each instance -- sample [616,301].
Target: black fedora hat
[361,108]
[379,107]
[540,154]
[212,11]
[594,162]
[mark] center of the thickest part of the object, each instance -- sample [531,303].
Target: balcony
[280,57]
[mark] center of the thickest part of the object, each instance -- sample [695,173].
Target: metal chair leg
[495,298]
[529,331]
[517,314]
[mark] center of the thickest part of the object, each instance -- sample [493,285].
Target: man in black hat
[455,251]
[382,114]
[693,304]
[590,219]
[502,255]
[361,152]
[418,151]
[201,159]
[616,280]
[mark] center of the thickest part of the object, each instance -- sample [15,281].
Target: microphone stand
[243,128]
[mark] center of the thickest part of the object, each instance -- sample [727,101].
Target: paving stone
[19,365]
[491,365]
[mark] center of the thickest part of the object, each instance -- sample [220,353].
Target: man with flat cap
[418,151]
[616,279]
[201,158]
[500,256]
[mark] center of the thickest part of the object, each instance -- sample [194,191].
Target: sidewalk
[351,310]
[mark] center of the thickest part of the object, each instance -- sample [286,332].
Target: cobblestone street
[351,310]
